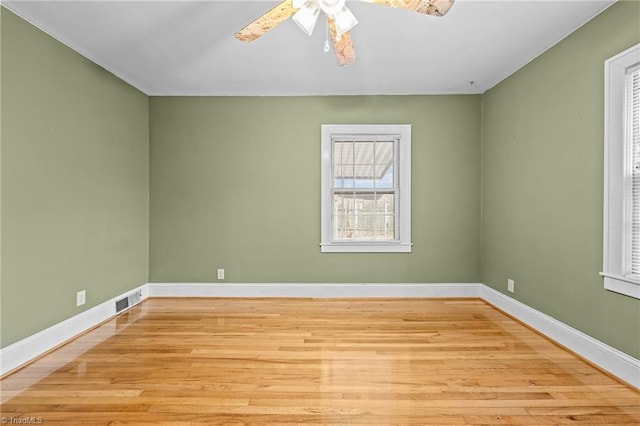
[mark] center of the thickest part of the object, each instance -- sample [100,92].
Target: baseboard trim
[26,350]
[606,357]
[617,363]
[314,290]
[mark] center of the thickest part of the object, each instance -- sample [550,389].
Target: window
[366,188]
[622,173]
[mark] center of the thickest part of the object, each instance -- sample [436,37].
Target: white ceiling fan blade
[344,21]
[307,17]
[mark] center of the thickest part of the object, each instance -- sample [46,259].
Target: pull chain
[327,47]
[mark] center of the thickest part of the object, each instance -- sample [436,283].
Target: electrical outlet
[81,298]
[511,285]
[221,274]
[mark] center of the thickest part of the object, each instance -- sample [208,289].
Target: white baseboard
[25,350]
[314,290]
[606,357]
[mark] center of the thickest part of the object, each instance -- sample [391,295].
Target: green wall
[542,162]
[235,183]
[74,164]
[505,185]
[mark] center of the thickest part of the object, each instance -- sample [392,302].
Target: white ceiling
[184,47]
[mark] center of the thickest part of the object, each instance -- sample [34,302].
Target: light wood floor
[311,361]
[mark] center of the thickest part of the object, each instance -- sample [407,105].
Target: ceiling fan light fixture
[340,20]
[344,20]
[307,17]
[331,7]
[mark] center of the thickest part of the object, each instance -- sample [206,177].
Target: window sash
[365,190]
[632,143]
[358,220]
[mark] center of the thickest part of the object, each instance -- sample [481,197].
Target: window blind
[633,138]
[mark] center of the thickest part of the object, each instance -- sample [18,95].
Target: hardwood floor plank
[315,361]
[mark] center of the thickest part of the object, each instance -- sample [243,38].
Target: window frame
[617,150]
[403,216]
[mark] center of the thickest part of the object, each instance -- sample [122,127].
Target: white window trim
[614,272]
[403,245]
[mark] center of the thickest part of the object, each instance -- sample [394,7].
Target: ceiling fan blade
[345,54]
[429,7]
[267,21]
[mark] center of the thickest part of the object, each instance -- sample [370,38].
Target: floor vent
[128,301]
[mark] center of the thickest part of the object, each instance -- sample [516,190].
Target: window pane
[364,164]
[363,216]
[363,158]
[633,114]
[385,177]
[343,153]
[385,160]
[343,165]
[342,176]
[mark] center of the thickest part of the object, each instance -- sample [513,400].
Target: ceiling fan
[339,19]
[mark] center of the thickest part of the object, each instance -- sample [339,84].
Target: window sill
[365,248]
[621,285]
